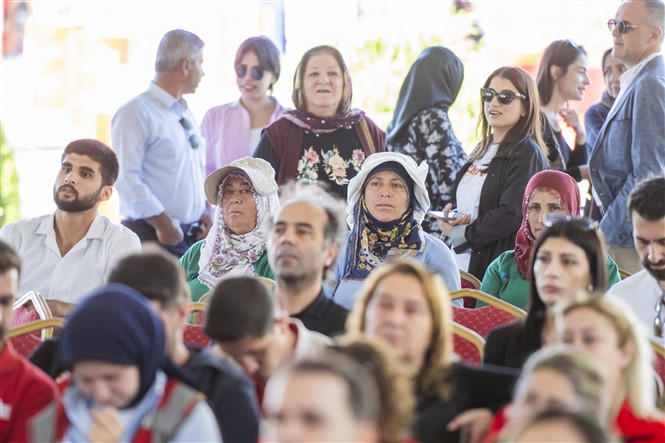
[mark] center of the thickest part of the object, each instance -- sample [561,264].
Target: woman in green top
[245,193]
[507,277]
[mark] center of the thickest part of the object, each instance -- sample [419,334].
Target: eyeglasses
[505,97]
[623,26]
[659,320]
[256,72]
[193,139]
[556,217]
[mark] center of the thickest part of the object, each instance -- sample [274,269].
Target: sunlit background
[67,66]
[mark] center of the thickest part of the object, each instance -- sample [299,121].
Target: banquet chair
[23,315]
[482,320]
[624,274]
[193,332]
[467,344]
[468,281]
[268,282]
[27,337]
[659,358]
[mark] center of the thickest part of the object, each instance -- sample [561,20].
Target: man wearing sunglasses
[630,145]
[161,151]
[645,291]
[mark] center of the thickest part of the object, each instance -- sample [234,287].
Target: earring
[590,288]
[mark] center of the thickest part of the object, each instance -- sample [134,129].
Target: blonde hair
[435,375]
[637,384]
[396,398]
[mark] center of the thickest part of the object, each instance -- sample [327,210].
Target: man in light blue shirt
[161,151]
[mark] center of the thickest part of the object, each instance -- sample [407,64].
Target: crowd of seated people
[325,283]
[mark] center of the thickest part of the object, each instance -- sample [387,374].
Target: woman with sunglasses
[562,76]
[233,130]
[548,192]
[567,257]
[323,140]
[421,128]
[488,189]
[607,330]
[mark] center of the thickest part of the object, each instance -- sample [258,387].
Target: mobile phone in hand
[451,215]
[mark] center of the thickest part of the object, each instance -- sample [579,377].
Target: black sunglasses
[623,26]
[193,140]
[505,97]
[256,72]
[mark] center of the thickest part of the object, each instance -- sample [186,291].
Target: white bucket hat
[259,171]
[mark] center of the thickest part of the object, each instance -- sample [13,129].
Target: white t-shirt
[85,267]
[254,138]
[468,194]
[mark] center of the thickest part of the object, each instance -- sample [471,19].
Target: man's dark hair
[99,153]
[9,259]
[154,274]
[647,198]
[239,307]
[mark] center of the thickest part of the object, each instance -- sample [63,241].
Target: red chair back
[659,359]
[483,320]
[194,335]
[467,344]
[468,281]
[26,338]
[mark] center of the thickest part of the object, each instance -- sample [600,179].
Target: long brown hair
[527,127]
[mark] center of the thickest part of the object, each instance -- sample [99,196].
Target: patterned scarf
[324,125]
[375,242]
[224,252]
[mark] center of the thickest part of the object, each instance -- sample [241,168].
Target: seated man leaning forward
[386,204]
[71,252]
[245,195]
[244,321]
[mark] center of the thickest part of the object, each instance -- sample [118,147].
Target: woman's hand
[106,425]
[476,421]
[446,226]
[572,119]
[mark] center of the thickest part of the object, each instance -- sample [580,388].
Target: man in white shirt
[68,253]
[161,152]
[645,291]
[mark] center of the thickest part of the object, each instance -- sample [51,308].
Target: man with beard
[304,243]
[645,290]
[71,252]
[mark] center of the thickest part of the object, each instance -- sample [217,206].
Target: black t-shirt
[323,315]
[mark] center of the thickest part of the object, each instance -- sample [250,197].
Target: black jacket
[500,207]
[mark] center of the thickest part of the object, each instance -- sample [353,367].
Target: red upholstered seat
[467,344]
[26,338]
[194,335]
[483,320]
[659,359]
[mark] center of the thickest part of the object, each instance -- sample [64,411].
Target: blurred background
[68,65]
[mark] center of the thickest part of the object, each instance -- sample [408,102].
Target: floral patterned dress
[430,138]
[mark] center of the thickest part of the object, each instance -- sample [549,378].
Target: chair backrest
[467,344]
[40,309]
[468,281]
[624,274]
[269,283]
[482,320]
[197,312]
[23,338]
[659,359]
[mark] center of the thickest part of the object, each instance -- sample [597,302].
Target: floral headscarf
[373,241]
[225,253]
[557,182]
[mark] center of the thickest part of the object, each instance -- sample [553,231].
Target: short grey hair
[316,195]
[176,45]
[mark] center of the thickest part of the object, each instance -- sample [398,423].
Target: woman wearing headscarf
[323,140]
[123,388]
[421,128]
[386,204]
[547,192]
[245,194]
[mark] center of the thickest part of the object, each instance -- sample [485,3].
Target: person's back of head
[239,307]
[99,153]
[176,46]
[154,274]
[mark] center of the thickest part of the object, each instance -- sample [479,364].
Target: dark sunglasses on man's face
[623,26]
[256,72]
[504,97]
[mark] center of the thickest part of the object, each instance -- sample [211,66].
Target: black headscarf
[116,325]
[434,80]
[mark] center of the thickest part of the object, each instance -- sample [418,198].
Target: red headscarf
[548,180]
